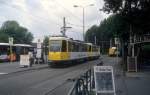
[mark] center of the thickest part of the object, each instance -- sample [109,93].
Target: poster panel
[39,53]
[24,60]
[104,80]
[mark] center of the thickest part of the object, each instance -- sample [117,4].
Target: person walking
[31,59]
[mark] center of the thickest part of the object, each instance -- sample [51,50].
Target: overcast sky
[45,17]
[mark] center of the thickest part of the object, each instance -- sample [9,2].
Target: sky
[45,17]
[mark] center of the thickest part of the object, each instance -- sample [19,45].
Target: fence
[84,84]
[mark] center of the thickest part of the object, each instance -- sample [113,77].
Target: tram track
[63,72]
[21,72]
[59,75]
[45,81]
[66,81]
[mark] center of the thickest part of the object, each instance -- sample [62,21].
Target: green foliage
[146,47]
[108,28]
[46,44]
[3,37]
[13,29]
[91,33]
[135,12]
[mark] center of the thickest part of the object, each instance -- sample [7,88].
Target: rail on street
[72,80]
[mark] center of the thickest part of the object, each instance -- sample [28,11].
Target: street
[54,81]
[46,81]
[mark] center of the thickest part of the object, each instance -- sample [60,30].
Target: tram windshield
[55,46]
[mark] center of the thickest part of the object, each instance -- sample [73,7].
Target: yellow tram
[63,50]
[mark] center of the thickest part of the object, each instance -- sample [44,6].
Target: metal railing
[84,84]
[140,38]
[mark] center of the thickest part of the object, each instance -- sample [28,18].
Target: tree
[135,12]
[108,29]
[19,33]
[3,37]
[46,44]
[91,33]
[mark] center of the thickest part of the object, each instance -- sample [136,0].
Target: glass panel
[69,46]
[55,46]
[64,46]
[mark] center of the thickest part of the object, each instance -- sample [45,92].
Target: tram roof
[69,39]
[64,38]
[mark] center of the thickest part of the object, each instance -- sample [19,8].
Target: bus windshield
[55,46]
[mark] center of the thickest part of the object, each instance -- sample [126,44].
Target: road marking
[3,73]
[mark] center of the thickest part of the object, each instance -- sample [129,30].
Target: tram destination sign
[104,80]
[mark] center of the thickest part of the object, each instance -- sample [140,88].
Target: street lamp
[83,16]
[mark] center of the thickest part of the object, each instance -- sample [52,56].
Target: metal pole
[95,40]
[83,25]
[64,27]
[10,53]
[102,47]
[110,43]
[117,53]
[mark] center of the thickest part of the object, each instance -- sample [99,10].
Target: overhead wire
[68,10]
[77,25]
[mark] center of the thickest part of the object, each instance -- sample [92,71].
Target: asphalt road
[46,81]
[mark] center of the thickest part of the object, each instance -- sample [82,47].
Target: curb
[29,69]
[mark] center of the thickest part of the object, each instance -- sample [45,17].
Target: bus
[17,50]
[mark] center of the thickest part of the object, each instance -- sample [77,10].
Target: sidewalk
[138,83]
[128,83]
[6,68]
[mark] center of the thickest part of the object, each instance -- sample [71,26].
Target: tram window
[55,46]
[69,46]
[90,48]
[64,48]
[83,48]
[80,47]
[74,47]
[93,48]
[77,47]
[87,48]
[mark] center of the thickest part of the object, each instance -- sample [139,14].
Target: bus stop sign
[104,80]
[11,40]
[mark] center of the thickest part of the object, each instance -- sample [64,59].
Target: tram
[63,50]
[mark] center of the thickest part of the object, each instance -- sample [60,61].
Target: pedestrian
[31,59]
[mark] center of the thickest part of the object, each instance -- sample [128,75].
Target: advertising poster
[104,80]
